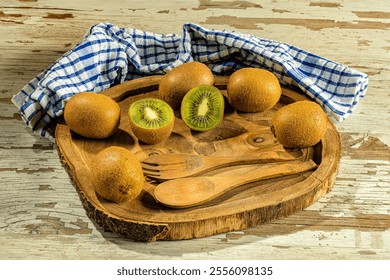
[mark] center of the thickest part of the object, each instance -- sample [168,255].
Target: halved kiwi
[151,120]
[202,108]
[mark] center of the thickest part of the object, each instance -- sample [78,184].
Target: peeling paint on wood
[27,170]
[364,43]
[11,21]
[377,15]
[58,16]
[52,225]
[210,4]
[364,147]
[45,187]
[281,11]
[39,205]
[2,14]
[46,205]
[312,24]
[325,4]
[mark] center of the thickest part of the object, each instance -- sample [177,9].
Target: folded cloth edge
[290,64]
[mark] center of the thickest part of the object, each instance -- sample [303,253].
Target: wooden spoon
[192,191]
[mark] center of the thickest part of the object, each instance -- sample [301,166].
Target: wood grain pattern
[39,205]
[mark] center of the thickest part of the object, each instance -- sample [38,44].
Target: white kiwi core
[203,107]
[150,113]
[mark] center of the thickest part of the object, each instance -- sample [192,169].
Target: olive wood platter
[239,134]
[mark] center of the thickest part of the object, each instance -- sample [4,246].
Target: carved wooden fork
[173,166]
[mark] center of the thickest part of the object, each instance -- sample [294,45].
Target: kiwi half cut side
[151,120]
[202,108]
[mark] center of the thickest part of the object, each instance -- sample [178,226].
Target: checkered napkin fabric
[109,55]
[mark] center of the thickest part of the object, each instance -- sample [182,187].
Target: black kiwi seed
[148,121]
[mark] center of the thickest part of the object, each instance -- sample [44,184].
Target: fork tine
[163,162]
[151,174]
[148,167]
[161,177]
[164,159]
[155,175]
[162,168]
[148,162]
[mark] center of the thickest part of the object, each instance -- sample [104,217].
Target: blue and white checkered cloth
[109,55]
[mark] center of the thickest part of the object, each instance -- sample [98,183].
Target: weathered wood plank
[39,205]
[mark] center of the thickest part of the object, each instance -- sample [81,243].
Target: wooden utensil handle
[263,173]
[263,157]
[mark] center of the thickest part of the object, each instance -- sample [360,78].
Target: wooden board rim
[322,179]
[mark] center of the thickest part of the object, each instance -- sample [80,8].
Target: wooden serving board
[242,134]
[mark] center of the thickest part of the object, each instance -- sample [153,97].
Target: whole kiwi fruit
[117,174]
[202,108]
[300,124]
[177,82]
[151,119]
[253,90]
[92,115]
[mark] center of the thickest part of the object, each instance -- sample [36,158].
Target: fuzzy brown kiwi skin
[153,136]
[92,115]
[177,82]
[117,174]
[253,90]
[300,124]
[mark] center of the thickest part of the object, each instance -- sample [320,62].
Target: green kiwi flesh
[202,108]
[151,119]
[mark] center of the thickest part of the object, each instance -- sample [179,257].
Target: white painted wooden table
[41,216]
